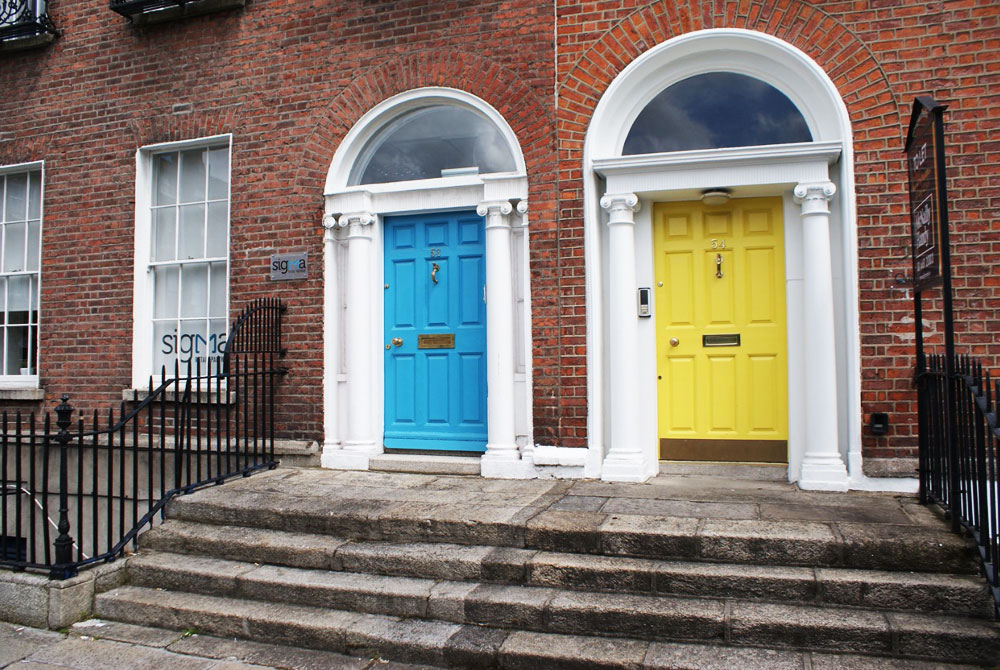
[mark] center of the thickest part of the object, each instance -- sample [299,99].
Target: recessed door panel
[435,332]
[720,322]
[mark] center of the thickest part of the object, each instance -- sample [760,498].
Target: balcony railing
[142,12]
[25,24]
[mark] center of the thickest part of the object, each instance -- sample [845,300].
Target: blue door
[435,332]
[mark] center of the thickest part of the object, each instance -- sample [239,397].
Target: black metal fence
[960,453]
[79,492]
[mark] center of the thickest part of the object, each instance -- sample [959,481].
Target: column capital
[815,196]
[494,208]
[620,201]
[330,221]
[355,219]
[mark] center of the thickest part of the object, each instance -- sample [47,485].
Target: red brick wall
[880,54]
[287,79]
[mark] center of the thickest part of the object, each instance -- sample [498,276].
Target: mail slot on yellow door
[436,341]
[721,340]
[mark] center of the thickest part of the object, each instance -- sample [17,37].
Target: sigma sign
[289,266]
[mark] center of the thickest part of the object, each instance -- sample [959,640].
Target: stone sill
[25,43]
[187,10]
[28,394]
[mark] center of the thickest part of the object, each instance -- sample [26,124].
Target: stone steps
[841,587]
[449,644]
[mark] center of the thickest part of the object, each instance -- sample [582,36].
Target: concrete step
[297,453]
[955,594]
[426,464]
[418,640]
[487,521]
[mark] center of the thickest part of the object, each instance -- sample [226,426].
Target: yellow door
[720,320]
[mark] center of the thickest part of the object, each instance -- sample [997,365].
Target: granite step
[893,590]
[772,631]
[537,527]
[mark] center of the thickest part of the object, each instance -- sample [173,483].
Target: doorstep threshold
[427,464]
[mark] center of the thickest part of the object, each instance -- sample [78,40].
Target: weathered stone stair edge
[448,643]
[834,544]
[843,587]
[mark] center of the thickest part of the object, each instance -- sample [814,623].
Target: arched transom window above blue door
[716,110]
[432,142]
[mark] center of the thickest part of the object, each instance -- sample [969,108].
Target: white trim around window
[181,240]
[22,201]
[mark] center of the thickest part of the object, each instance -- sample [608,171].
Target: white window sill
[22,393]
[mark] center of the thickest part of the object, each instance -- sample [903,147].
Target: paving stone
[507,564]
[769,542]
[565,531]
[17,642]
[579,504]
[461,524]
[674,656]
[187,573]
[598,573]
[146,636]
[649,536]
[447,601]
[903,547]
[775,473]
[541,651]
[75,652]
[799,627]
[271,655]
[474,647]
[680,508]
[414,641]
[636,616]
[855,662]
[776,583]
[860,513]
[508,606]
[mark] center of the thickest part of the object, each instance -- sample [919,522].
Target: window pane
[192,171]
[217,338]
[16,201]
[18,290]
[217,299]
[194,290]
[218,173]
[165,292]
[164,346]
[35,195]
[421,143]
[218,215]
[164,234]
[34,244]
[31,361]
[192,240]
[3,298]
[17,350]
[165,179]
[714,110]
[34,298]
[193,341]
[13,247]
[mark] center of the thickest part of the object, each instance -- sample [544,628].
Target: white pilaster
[502,457]
[822,466]
[331,345]
[624,460]
[359,443]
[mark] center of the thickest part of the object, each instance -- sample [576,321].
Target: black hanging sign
[928,204]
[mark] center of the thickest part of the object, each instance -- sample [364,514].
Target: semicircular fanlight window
[430,142]
[716,110]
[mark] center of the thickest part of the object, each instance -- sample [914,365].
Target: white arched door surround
[814,180]
[353,380]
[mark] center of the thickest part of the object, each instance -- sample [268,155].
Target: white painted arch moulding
[799,77]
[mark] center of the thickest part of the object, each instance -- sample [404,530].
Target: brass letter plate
[436,341]
[725,340]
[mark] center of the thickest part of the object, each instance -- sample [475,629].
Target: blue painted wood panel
[435,398]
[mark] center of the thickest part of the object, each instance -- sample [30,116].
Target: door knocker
[434,270]
[718,266]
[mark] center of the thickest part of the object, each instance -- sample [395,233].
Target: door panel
[720,273]
[435,387]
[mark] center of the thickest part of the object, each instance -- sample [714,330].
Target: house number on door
[718,244]
[435,253]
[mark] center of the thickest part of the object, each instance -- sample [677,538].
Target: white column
[502,457]
[359,444]
[331,343]
[822,466]
[624,460]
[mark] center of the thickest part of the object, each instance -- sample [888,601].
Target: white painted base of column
[821,473]
[348,456]
[624,468]
[502,466]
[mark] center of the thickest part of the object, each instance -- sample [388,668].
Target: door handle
[674,341]
[397,341]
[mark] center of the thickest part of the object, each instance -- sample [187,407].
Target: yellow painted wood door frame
[720,275]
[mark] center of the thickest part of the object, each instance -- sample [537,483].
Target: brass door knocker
[434,270]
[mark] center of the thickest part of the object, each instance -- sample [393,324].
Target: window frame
[28,381]
[143,293]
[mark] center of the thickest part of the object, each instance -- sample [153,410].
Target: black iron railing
[79,492]
[960,453]
[21,19]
